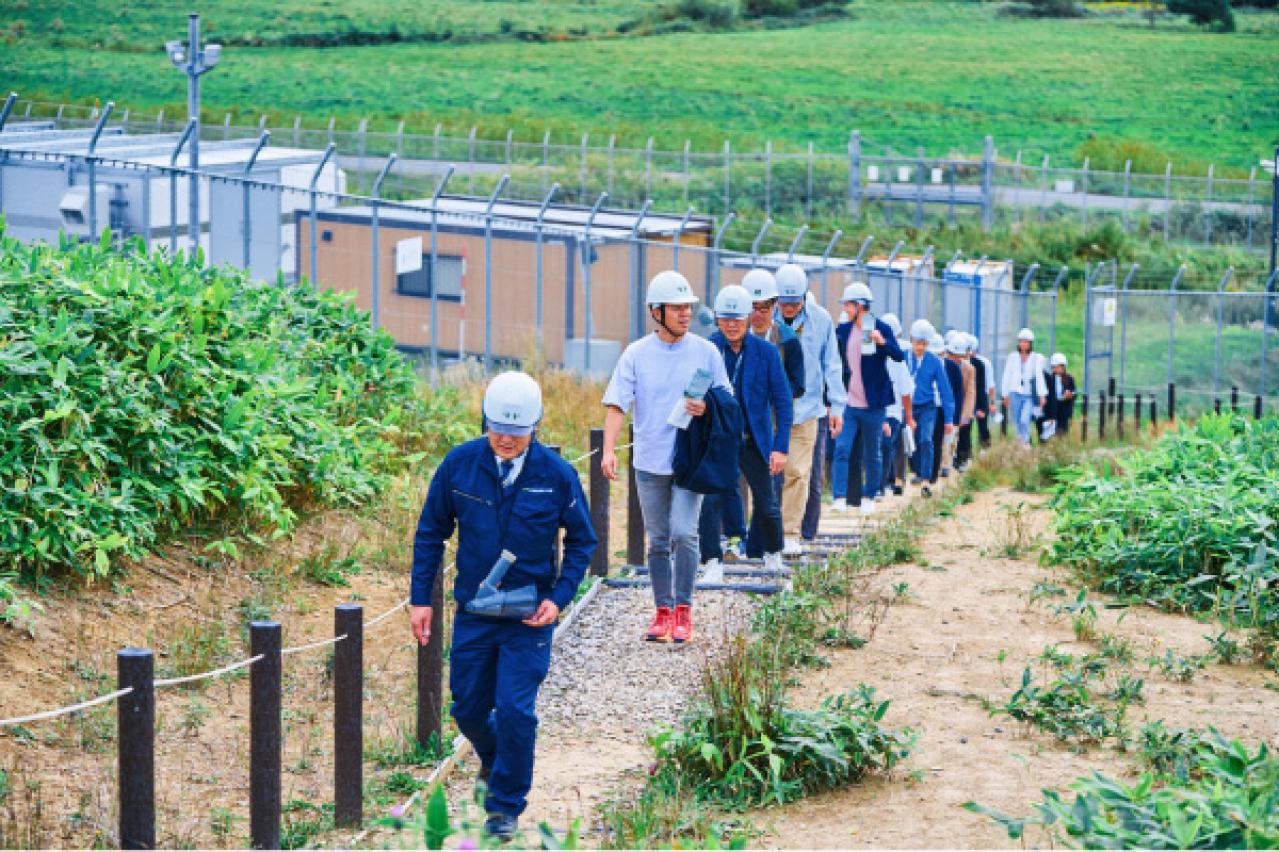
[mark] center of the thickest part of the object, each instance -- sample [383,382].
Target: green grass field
[907,74]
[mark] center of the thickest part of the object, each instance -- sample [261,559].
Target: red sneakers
[683,629]
[660,629]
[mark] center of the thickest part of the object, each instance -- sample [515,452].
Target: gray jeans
[670,521]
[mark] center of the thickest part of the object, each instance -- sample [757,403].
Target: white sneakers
[773,561]
[792,547]
[868,506]
[712,572]
[839,506]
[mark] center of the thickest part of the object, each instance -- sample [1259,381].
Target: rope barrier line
[593,452]
[384,616]
[63,711]
[174,681]
[297,649]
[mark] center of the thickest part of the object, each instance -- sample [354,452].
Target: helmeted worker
[985,407]
[819,412]
[508,497]
[1023,384]
[1061,395]
[761,287]
[898,414]
[652,376]
[931,400]
[759,384]
[956,454]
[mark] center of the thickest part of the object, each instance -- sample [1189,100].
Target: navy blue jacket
[875,379]
[763,386]
[955,378]
[931,382]
[466,493]
[707,452]
[792,352]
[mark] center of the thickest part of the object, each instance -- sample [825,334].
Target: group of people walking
[775,393]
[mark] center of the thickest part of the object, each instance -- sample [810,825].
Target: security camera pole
[195,62]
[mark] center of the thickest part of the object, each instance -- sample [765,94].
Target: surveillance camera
[176,54]
[212,53]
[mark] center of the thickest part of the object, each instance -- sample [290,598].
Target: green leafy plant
[1176,667]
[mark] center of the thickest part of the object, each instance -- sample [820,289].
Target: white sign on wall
[1109,310]
[408,255]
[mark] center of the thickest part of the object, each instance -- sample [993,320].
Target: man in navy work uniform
[504,492]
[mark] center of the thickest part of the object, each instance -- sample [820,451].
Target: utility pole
[194,62]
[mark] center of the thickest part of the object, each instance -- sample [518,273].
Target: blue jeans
[765,535]
[870,423]
[925,422]
[1022,413]
[670,522]
[496,666]
[889,451]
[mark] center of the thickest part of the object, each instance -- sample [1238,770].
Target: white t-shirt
[651,376]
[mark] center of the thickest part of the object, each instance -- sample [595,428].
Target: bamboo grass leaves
[142,394]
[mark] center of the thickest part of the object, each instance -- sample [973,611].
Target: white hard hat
[858,292]
[893,323]
[792,283]
[733,302]
[1026,334]
[971,340]
[669,288]
[956,344]
[937,345]
[922,329]
[760,284]
[513,403]
[1057,360]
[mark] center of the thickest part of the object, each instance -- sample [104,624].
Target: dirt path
[936,652]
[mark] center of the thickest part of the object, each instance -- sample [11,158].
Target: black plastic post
[1083,419]
[1136,414]
[430,674]
[1154,414]
[1003,426]
[1216,405]
[1110,395]
[348,716]
[1172,400]
[1256,407]
[1119,417]
[135,727]
[265,739]
[634,517]
[599,505]
[1234,399]
[1101,416]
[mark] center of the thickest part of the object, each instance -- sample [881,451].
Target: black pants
[983,430]
[939,433]
[964,449]
[765,532]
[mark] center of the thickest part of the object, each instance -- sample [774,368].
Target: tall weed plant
[143,394]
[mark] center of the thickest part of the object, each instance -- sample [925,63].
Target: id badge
[868,325]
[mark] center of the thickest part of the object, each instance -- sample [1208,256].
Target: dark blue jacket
[875,379]
[466,493]
[792,352]
[930,381]
[764,392]
[955,378]
[707,452]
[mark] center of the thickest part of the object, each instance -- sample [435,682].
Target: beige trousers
[799,467]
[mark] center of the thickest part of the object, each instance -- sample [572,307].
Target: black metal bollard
[430,674]
[1119,417]
[1234,399]
[634,516]
[135,727]
[1136,414]
[1110,395]
[348,716]
[1172,401]
[1154,414]
[1216,405]
[1256,407]
[599,505]
[265,739]
[1003,425]
[1101,417]
[1083,419]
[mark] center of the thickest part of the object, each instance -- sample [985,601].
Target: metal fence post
[794,243]
[1221,298]
[713,280]
[826,253]
[361,133]
[537,273]
[265,739]
[348,716]
[759,237]
[1127,191]
[173,186]
[435,291]
[488,271]
[588,322]
[328,152]
[1123,327]
[135,747]
[679,234]
[1208,207]
[399,139]
[8,108]
[1172,324]
[92,161]
[248,172]
[988,184]
[599,505]
[376,257]
[855,175]
[430,674]
[635,275]
[634,516]
[768,178]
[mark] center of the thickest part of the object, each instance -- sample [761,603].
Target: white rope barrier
[174,681]
[63,711]
[384,616]
[297,649]
[593,452]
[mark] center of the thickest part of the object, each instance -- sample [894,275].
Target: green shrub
[1215,14]
[145,394]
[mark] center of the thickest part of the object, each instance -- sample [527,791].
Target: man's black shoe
[501,826]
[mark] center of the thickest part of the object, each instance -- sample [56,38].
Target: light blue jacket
[823,371]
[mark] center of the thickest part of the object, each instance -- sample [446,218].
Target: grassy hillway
[934,74]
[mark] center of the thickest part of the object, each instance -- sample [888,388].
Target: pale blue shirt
[516,467]
[651,377]
[823,372]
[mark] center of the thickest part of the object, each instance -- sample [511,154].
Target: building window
[450,269]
